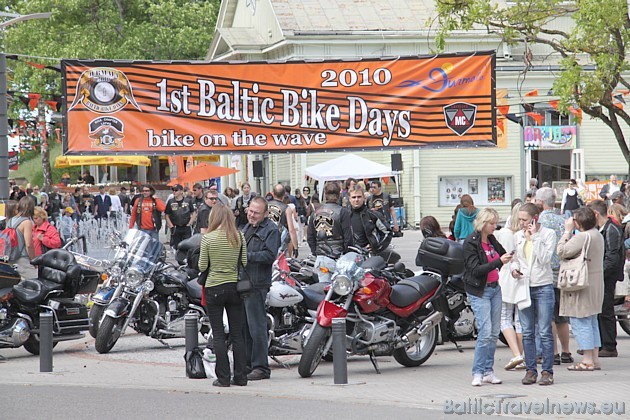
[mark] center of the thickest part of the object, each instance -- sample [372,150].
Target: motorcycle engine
[464,325]
[378,335]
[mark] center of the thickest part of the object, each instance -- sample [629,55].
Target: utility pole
[4,117]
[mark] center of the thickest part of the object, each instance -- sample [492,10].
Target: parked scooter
[21,302]
[155,296]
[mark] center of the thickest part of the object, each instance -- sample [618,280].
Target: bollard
[340,357]
[192,333]
[45,342]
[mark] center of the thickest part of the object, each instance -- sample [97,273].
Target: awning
[65,161]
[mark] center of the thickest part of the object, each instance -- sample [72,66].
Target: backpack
[9,245]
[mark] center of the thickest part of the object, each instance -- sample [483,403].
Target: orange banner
[193,108]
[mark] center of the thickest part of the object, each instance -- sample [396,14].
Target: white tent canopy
[348,166]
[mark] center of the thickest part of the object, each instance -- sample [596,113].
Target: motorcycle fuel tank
[281,295]
[373,293]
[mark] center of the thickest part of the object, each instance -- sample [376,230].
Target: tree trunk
[43,135]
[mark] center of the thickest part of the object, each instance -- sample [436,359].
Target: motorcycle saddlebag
[72,316]
[442,255]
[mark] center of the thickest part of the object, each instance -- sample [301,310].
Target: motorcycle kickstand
[459,348]
[284,365]
[374,362]
[165,343]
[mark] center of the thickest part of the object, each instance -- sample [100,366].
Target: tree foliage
[599,38]
[100,29]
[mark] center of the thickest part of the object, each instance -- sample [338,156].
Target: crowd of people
[511,278]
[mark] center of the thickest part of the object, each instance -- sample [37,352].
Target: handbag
[244,284]
[203,276]
[573,274]
[194,364]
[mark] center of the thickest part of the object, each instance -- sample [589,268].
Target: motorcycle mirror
[399,267]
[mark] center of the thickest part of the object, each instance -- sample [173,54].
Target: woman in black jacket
[483,257]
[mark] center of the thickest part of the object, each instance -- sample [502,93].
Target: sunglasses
[211,198]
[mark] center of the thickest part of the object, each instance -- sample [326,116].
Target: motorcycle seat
[194,289]
[314,294]
[409,290]
[35,291]
[374,263]
[190,243]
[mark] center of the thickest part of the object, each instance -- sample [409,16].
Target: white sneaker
[520,366]
[491,379]
[477,380]
[514,361]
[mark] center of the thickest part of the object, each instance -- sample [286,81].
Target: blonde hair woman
[483,258]
[219,254]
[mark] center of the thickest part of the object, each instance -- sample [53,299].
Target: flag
[536,117]
[532,93]
[554,104]
[514,118]
[39,66]
[504,109]
[619,97]
[33,100]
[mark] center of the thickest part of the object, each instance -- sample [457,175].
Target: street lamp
[4,121]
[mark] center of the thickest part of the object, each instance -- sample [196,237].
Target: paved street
[143,375]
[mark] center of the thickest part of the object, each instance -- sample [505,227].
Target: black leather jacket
[476,266]
[376,229]
[614,253]
[334,221]
[262,250]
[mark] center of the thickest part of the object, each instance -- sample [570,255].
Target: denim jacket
[262,250]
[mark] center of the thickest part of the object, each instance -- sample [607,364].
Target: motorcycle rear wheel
[108,334]
[419,352]
[625,325]
[32,344]
[314,350]
[96,313]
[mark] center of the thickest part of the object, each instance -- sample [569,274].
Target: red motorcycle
[397,320]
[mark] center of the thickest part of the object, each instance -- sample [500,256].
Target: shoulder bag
[573,273]
[244,284]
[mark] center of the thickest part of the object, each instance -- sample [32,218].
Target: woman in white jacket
[534,247]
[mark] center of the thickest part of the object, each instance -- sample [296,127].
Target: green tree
[598,37]
[101,29]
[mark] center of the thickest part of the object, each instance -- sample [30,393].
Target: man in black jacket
[263,243]
[334,222]
[369,228]
[614,259]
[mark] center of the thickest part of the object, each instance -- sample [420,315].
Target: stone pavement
[139,362]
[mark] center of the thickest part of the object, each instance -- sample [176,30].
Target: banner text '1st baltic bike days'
[154,108]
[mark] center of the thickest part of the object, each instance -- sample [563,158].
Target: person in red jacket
[147,213]
[45,235]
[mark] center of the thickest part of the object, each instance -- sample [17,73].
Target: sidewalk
[139,362]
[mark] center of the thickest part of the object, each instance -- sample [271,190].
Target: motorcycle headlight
[115,271]
[342,285]
[133,277]
[148,286]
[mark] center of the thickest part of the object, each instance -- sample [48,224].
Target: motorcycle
[382,319]
[622,314]
[61,278]
[154,299]
[291,306]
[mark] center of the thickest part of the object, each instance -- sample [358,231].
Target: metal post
[340,358]
[192,333]
[4,131]
[46,342]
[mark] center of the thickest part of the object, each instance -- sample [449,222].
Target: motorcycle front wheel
[108,333]
[625,325]
[419,352]
[96,313]
[314,350]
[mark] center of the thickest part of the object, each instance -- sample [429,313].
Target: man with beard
[369,229]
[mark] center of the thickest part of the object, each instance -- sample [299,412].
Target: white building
[279,30]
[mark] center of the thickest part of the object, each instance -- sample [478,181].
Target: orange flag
[504,109]
[532,93]
[554,104]
[536,116]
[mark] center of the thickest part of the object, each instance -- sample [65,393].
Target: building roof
[352,15]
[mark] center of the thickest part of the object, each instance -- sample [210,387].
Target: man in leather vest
[333,221]
[280,214]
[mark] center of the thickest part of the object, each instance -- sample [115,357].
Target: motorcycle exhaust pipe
[16,334]
[429,323]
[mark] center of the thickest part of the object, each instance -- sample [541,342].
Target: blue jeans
[257,330]
[487,309]
[586,332]
[153,233]
[537,319]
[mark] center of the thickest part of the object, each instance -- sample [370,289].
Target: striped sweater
[221,257]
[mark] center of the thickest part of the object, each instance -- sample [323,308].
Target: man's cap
[69,210]
[177,187]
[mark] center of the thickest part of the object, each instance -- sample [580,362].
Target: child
[68,226]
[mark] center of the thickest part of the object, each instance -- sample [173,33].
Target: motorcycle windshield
[143,252]
[350,265]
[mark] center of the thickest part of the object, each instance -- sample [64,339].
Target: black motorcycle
[155,296]
[60,279]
